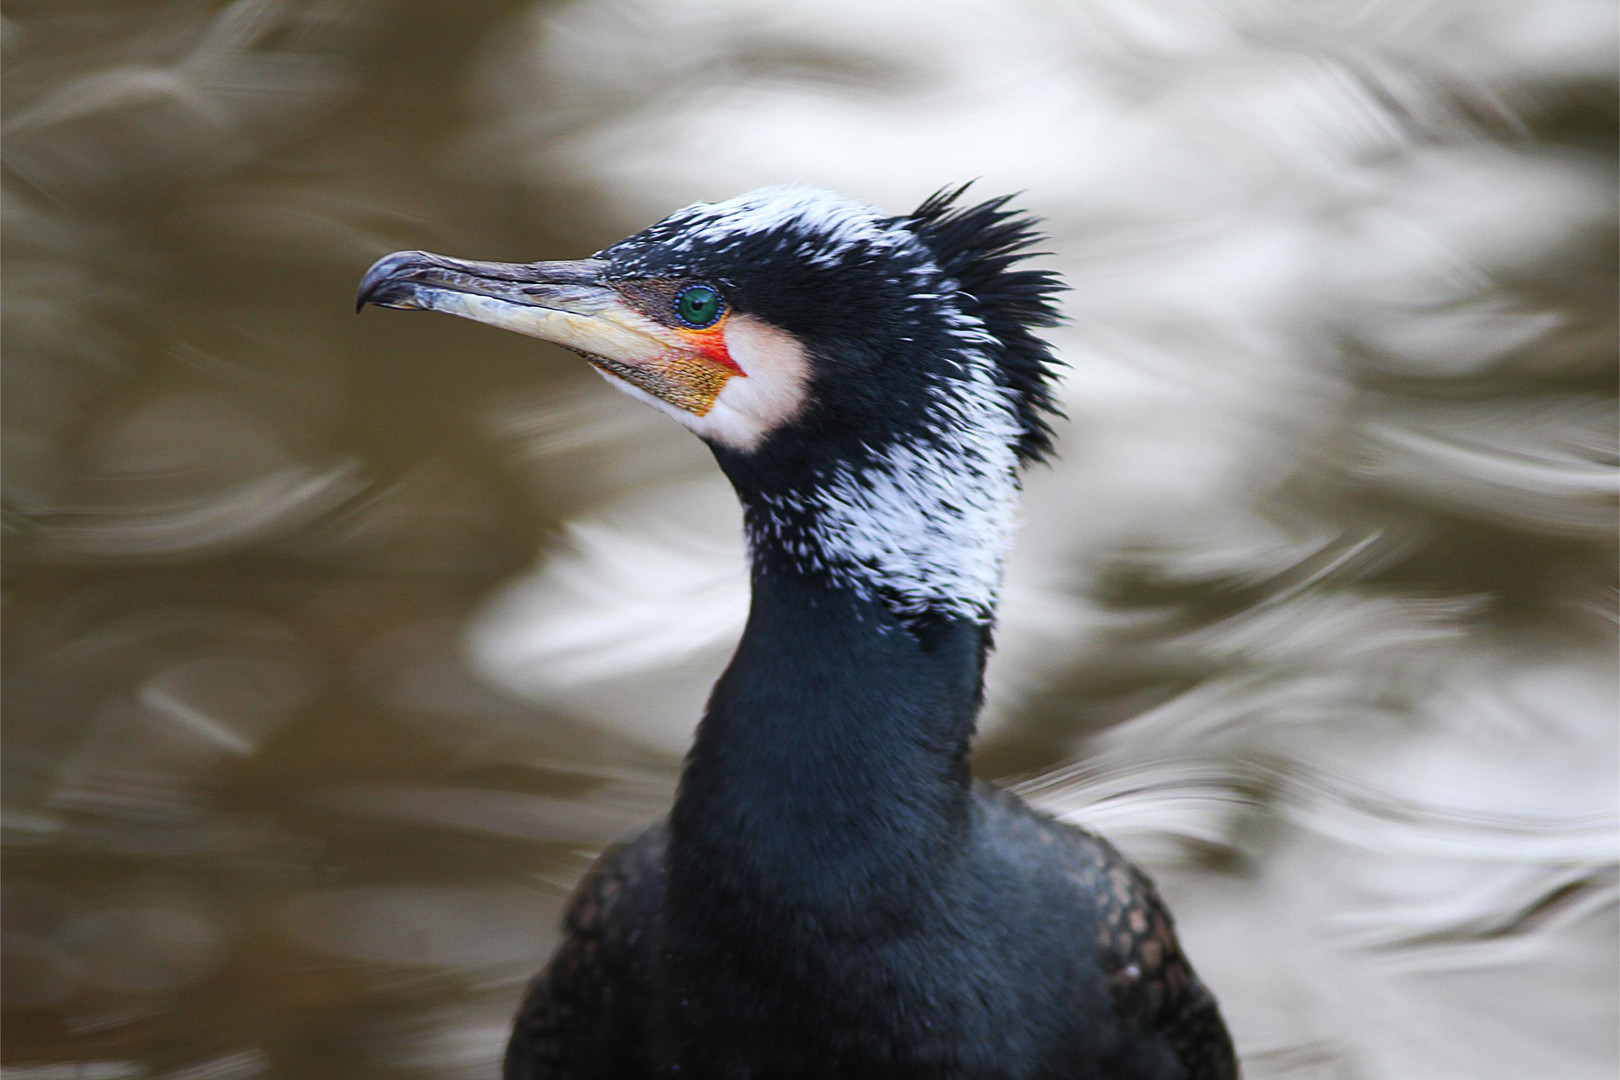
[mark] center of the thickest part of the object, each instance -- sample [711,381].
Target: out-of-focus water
[336,647]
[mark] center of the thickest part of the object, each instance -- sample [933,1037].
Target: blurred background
[335,648]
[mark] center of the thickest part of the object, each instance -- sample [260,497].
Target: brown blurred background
[335,647]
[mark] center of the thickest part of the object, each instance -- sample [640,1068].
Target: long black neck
[828,784]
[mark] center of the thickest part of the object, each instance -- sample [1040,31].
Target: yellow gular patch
[691,382]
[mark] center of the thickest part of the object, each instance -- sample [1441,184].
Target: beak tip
[386,271]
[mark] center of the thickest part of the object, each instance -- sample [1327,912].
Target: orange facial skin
[690,377]
[692,372]
[694,381]
[710,342]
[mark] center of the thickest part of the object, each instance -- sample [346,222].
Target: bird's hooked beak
[569,303]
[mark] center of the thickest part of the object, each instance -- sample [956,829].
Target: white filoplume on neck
[924,522]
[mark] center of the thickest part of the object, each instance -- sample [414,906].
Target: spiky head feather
[981,247]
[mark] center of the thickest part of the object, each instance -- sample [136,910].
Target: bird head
[870,383]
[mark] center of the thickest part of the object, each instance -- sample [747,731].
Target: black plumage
[832,894]
[886,918]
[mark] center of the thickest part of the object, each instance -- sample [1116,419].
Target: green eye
[698,306]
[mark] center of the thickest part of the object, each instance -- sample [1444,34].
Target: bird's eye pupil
[698,306]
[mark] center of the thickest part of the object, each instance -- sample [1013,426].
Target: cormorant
[832,894]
